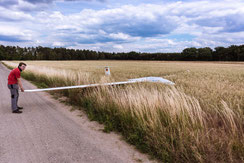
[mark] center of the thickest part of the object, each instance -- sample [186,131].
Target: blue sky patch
[11,39]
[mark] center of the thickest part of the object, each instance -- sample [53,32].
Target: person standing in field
[14,83]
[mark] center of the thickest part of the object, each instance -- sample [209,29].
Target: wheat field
[200,119]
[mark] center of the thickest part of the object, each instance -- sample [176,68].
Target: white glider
[137,80]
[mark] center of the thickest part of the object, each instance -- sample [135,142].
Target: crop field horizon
[199,119]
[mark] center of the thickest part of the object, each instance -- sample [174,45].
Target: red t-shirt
[14,74]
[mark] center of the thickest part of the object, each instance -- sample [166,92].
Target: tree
[219,53]
[240,55]
[205,54]
[190,54]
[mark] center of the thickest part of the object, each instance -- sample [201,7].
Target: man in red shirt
[14,83]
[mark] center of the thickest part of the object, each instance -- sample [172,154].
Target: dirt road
[47,131]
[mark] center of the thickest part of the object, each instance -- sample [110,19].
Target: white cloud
[15,32]
[58,44]
[12,15]
[120,47]
[119,36]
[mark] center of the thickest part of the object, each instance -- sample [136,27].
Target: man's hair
[21,63]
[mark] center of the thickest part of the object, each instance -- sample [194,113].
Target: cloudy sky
[122,25]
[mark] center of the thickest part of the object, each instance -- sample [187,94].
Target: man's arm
[20,85]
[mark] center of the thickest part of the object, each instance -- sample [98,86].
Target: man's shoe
[17,111]
[20,108]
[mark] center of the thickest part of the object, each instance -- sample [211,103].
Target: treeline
[232,53]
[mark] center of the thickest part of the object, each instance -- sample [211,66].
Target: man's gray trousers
[14,90]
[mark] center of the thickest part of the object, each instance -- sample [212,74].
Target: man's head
[22,66]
